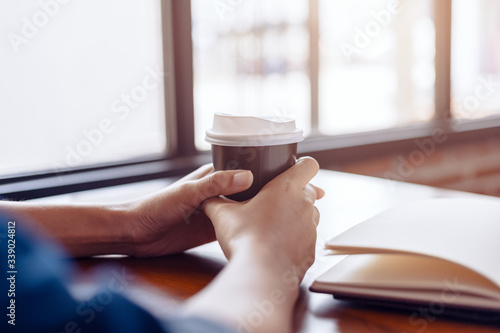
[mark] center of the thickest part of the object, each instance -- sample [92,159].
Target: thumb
[212,206]
[223,183]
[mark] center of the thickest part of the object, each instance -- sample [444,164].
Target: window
[352,73]
[250,57]
[82,84]
[376,64]
[475,59]
[375,60]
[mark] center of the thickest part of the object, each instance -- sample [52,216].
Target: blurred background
[370,82]
[258,60]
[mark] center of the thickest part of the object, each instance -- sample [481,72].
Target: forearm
[82,230]
[254,293]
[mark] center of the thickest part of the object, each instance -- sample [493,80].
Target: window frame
[183,157]
[400,140]
[180,156]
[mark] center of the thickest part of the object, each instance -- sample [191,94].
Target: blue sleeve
[35,297]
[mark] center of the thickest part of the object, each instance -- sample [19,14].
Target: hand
[278,224]
[170,221]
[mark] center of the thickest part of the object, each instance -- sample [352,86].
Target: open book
[443,253]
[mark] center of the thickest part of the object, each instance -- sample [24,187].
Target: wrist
[125,219]
[115,234]
[268,278]
[273,261]
[98,230]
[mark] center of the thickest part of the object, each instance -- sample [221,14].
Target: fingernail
[242,179]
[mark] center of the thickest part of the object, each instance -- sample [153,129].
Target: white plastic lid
[236,131]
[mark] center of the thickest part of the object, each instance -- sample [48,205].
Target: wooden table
[161,283]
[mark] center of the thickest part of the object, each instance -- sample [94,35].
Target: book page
[464,231]
[408,273]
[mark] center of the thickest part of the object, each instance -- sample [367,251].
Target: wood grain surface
[161,284]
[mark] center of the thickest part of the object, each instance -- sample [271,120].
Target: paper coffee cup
[267,146]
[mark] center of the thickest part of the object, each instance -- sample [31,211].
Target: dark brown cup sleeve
[265,162]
